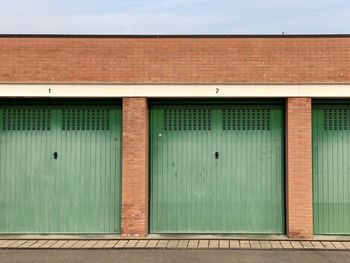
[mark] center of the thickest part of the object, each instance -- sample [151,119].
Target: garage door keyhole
[216,155]
[55,155]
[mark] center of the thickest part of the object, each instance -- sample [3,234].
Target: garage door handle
[55,155]
[216,155]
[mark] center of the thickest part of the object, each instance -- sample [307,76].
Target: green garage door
[216,169]
[331,169]
[60,169]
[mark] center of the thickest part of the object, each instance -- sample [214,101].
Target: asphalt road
[169,256]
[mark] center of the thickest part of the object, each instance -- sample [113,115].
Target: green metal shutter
[216,169]
[60,169]
[331,169]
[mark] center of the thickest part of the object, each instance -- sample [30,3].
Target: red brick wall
[175,60]
[135,167]
[299,168]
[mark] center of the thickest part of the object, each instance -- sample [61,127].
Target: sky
[174,16]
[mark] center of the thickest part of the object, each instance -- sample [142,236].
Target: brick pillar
[299,168]
[135,167]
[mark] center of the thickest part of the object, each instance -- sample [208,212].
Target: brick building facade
[295,72]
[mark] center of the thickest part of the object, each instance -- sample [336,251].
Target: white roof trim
[175,90]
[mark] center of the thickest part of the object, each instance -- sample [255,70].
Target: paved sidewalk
[173,244]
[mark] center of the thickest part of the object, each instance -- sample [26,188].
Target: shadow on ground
[169,256]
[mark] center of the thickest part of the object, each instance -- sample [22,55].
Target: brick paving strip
[120,244]
[59,244]
[296,244]
[141,244]
[162,244]
[307,244]
[110,244]
[131,244]
[234,244]
[38,244]
[276,244]
[286,244]
[183,243]
[338,245]
[174,244]
[317,244]
[49,243]
[328,245]
[18,243]
[224,244]
[214,244]
[346,244]
[152,244]
[70,243]
[244,244]
[90,244]
[255,244]
[203,244]
[28,244]
[265,244]
[193,244]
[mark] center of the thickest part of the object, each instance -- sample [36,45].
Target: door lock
[216,155]
[55,155]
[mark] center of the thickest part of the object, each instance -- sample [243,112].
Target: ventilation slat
[85,120]
[336,119]
[187,120]
[26,120]
[246,120]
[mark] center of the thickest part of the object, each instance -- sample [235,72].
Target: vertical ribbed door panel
[331,169]
[217,169]
[60,169]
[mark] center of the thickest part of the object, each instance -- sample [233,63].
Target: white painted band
[175,91]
